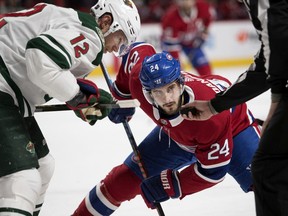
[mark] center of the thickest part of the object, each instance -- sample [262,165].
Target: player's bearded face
[168,97]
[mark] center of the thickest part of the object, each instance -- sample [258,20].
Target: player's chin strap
[132,140]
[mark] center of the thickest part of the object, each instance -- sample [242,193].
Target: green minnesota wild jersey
[42,52]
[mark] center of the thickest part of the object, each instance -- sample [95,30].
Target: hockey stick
[132,140]
[63,107]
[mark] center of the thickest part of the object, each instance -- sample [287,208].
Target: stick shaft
[63,107]
[132,140]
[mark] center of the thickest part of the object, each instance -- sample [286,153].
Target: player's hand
[198,42]
[119,115]
[84,104]
[197,110]
[200,39]
[160,188]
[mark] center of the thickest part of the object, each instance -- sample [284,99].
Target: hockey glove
[198,42]
[200,39]
[160,188]
[84,104]
[119,115]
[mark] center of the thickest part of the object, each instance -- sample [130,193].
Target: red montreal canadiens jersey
[210,141]
[182,30]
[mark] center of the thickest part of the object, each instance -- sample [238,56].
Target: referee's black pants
[270,166]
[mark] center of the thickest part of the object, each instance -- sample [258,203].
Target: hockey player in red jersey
[185,28]
[207,150]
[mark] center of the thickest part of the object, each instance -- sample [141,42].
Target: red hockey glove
[84,104]
[160,188]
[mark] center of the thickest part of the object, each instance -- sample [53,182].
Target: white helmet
[125,17]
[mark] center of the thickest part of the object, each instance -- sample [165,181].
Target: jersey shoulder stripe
[52,49]
[58,45]
[89,21]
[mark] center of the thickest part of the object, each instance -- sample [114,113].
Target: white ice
[84,154]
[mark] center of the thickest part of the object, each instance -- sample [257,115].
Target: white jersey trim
[206,178]
[104,199]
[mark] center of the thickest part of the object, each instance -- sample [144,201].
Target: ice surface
[84,154]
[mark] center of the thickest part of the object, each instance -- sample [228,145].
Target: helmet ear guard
[159,70]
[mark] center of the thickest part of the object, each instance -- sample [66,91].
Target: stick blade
[128,103]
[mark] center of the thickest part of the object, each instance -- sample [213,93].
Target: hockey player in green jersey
[46,52]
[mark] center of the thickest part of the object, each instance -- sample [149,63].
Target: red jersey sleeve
[131,63]
[206,12]
[211,139]
[212,159]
